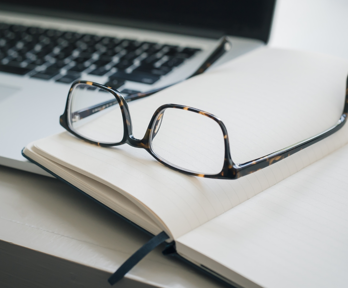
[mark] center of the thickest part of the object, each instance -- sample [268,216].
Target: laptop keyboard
[62,56]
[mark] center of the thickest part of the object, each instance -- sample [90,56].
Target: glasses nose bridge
[134,142]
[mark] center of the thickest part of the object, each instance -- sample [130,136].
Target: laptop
[132,45]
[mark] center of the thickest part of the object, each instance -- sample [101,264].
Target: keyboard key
[38,62]
[68,78]
[100,62]
[99,71]
[35,30]
[124,64]
[161,71]
[115,83]
[82,86]
[153,70]
[42,54]
[91,39]
[109,41]
[61,56]
[9,35]
[58,64]
[81,59]
[71,36]
[107,55]
[136,77]
[86,54]
[144,67]
[188,52]
[14,69]
[27,38]
[100,48]
[148,45]
[4,26]
[130,45]
[130,56]
[53,34]
[173,62]
[153,48]
[79,45]
[90,50]
[63,42]
[151,59]
[78,68]
[18,28]
[129,92]
[46,75]
[18,62]
[3,43]
[170,50]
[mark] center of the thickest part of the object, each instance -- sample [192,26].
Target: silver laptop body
[31,100]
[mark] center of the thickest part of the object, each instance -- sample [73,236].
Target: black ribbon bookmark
[137,256]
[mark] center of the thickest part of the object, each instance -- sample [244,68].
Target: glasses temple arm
[220,50]
[89,111]
[345,109]
[223,46]
[262,162]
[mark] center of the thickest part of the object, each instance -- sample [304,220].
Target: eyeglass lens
[189,141]
[104,123]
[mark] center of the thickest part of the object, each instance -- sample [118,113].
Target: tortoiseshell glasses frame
[230,170]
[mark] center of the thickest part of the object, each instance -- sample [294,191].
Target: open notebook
[289,235]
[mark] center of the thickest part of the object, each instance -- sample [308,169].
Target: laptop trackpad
[7,91]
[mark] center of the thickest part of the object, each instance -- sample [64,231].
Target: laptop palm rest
[7,91]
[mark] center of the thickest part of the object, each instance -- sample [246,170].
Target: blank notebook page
[294,234]
[268,100]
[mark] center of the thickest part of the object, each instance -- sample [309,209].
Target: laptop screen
[247,18]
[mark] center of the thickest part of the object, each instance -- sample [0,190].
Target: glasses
[182,138]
